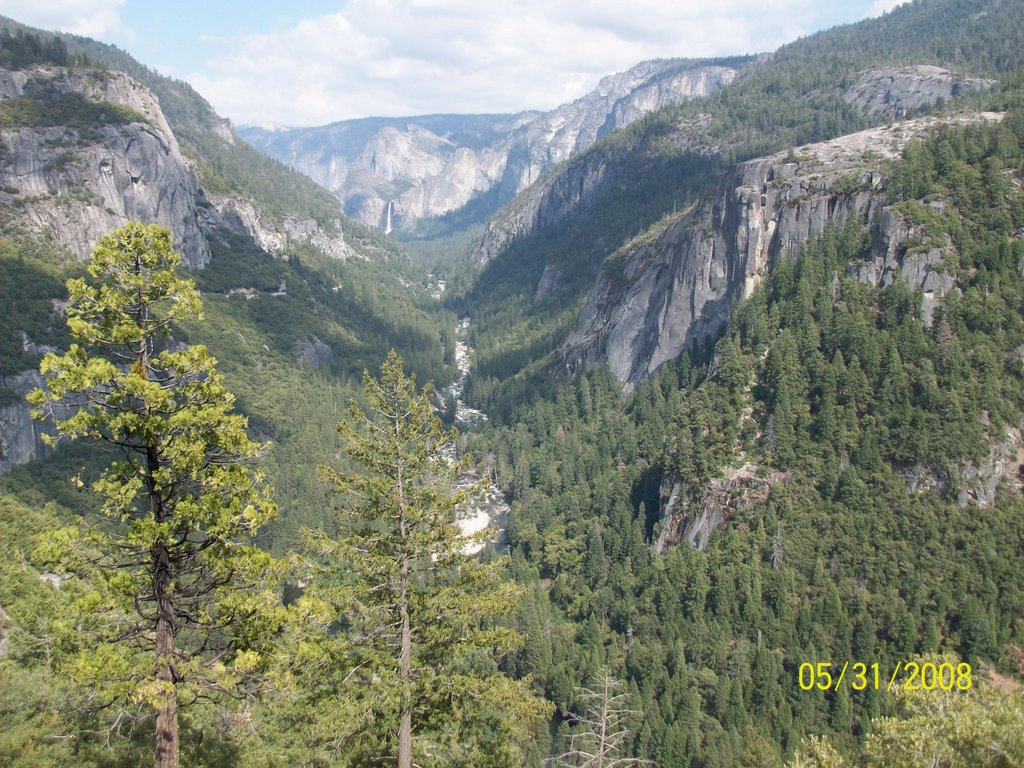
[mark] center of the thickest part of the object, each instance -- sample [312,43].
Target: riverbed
[489,512]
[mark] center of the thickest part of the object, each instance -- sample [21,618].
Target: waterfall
[387,221]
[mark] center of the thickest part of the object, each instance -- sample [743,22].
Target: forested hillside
[298,300]
[542,253]
[850,453]
[833,474]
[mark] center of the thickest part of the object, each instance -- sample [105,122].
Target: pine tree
[180,606]
[420,683]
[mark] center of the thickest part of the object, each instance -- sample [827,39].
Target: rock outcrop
[75,184]
[313,352]
[666,292]
[617,101]
[90,150]
[694,520]
[978,483]
[395,172]
[899,92]
[243,216]
[546,203]
[21,437]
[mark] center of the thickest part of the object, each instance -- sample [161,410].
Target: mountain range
[398,173]
[748,334]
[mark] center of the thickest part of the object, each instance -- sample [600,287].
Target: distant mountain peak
[462,158]
[267,126]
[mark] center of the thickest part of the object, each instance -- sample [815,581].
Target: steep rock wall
[660,296]
[398,173]
[896,92]
[21,436]
[548,202]
[75,185]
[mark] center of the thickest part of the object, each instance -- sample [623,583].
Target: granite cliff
[84,150]
[672,288]
[75,183]
[396,172]
[897,92]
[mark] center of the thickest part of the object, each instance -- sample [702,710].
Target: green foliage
[26,290]
[842,386]
[947,729]
[659,163]
[415,668]
[178,605]
[45,108]
[22,49]
[644,190]
[837,384]
[600,728]
[235,168]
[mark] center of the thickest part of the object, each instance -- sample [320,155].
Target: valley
[734,349]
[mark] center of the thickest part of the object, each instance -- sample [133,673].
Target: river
[490,511]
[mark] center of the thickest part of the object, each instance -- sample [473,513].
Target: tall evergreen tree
[182,606]
[420,643]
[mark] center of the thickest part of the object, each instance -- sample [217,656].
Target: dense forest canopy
[840,453]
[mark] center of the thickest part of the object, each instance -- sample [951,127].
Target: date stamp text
[909,675]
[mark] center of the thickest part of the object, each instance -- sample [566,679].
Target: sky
[312,62]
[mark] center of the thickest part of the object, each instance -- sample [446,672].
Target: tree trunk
[167,712]
[405,657]
[166,746]
[405,670]
[405,724]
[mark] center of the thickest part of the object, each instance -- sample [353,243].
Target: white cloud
[92,18]
[404,57]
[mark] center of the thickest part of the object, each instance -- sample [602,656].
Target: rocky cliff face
[88,151]
[21,437]
[617,101]
[671,290]
[694,520]
[896,92]
[394,173]
[242,215]
[547,202]
[76,184]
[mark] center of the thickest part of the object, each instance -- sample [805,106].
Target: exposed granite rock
[314,352]
[395,172]
[5,631]
[647,88]
[979,484]
[922,270]
[21,437]
[76,187]
[682,519]
[465,175]
[661,295]
[617,101]
[547,284]
[243,216]
[896,92]
[548,202]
